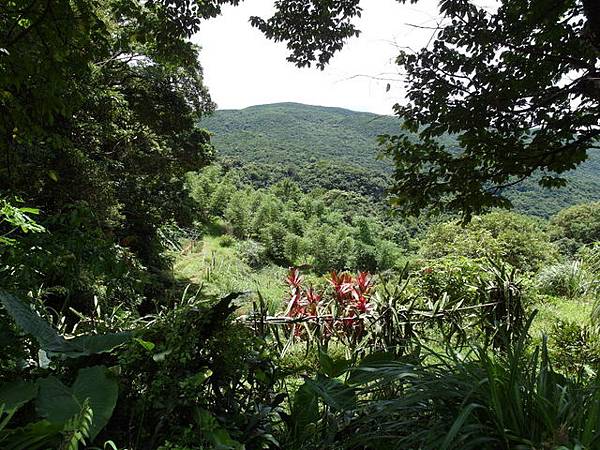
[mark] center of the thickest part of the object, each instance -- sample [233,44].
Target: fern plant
[77,429]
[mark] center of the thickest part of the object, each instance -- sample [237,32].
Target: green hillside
[295,134]
[336,148]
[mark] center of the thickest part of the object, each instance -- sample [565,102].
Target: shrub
[455,276]
[568,279]
[340,312]
[574,347]
[194,371]
[388,255]
[226,240]
[75,262]
[513,238]
[252,253]
[365,257]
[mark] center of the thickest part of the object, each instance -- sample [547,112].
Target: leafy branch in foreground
[48,338]
[518,90]
[500,95]
[14,219]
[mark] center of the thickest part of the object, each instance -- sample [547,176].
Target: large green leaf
[59,403]
[40,435]
[304,414]
[49,339]
[333,392]
[332,367]
[31,323]
[15,394]
[99,343]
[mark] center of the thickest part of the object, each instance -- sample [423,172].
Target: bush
[192,372]
[455,276]
[574,347]
[566,280]
[252,253]
[75,263]
[513,238]
[388,255]
[226,240]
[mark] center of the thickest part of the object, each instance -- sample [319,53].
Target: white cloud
[243,68]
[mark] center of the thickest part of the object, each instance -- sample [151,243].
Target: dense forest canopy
[158,293]
[335,148]
[100,103]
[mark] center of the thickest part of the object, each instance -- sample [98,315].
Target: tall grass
[481,400]
[570,279]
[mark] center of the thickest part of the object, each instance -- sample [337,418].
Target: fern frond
[77,429]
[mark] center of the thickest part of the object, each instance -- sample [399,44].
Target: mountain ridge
[294,138]
[305,106]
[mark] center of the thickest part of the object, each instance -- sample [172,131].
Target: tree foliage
[99,104]
[517,87]
[577,226]
[519,240]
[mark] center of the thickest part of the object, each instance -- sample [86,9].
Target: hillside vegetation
[337,148]
[156,294]
[295,134]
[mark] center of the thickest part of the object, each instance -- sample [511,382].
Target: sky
[242,68]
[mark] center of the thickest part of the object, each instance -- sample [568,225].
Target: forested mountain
[337,148]
[293,133]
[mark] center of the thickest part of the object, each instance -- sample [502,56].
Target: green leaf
[305,411]
[15,394]
[213,432]
[147,345]
[330,367]
[334,393]
[100,343]
[457,425]
[29,210]
[53,175]
[40,435]
[59,403]
[77,429]
[49,339]
[31,323]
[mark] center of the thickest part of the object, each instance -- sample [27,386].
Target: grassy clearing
[216,267]
[552,310]
[214,264]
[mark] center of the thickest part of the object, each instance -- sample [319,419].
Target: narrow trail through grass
[214,264]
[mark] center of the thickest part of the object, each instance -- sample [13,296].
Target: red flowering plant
[342,312]
[352,299]
[303,303]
